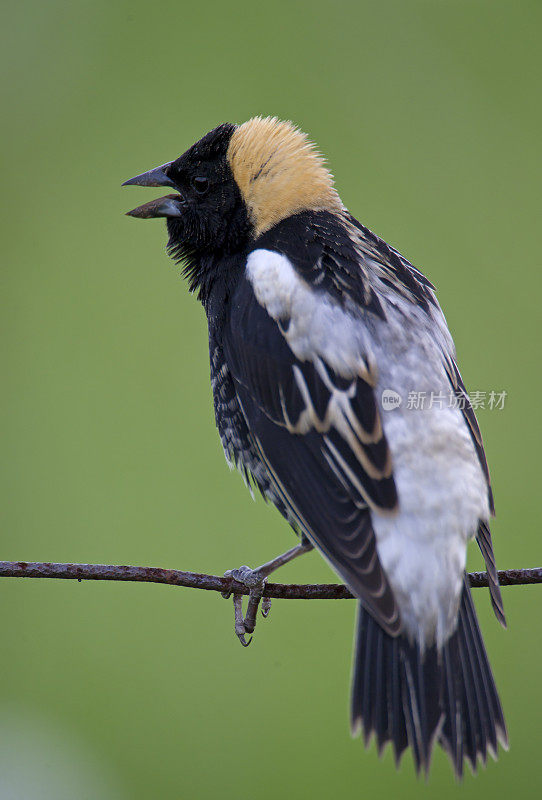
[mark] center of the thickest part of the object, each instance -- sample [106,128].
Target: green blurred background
[429,115]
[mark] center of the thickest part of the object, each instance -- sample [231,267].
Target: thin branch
[214,583]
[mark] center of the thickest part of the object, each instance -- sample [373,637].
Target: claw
[255,582]
[266,606]
[240,630]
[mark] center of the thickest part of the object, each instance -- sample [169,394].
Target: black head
[206,217]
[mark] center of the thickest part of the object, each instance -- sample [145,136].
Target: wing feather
[483,536]
[320,437]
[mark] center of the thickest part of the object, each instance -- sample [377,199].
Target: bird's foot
[255,582]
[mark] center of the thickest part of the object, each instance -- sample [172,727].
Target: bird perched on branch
[318,333]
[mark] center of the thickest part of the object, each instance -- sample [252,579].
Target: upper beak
[169,206]
[154,177]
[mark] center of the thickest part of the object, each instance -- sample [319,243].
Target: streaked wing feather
[304,396]
[324,509]
[321,439]
[483,539]
[483,536]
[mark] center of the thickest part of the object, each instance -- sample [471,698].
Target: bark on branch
[215,583]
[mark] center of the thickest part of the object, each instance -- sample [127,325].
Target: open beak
[168,206]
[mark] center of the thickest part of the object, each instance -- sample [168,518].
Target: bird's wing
[483,536]
[306,390]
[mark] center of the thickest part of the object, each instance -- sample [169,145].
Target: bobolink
[313,320]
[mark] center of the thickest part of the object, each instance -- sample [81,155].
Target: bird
[337,395]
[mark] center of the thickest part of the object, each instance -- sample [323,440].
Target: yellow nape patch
[279,172]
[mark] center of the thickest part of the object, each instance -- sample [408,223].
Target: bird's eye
[200,184]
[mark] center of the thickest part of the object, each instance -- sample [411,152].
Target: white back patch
[318,326]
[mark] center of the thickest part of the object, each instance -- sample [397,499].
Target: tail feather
[381,722]
[496,727]
[376,690]
[451,736]
[399,727]
[474,738]
[412,699]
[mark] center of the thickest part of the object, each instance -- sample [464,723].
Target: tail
[402,697]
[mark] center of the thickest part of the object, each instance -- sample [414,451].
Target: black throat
[211,238]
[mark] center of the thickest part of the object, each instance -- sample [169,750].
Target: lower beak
[168,206]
